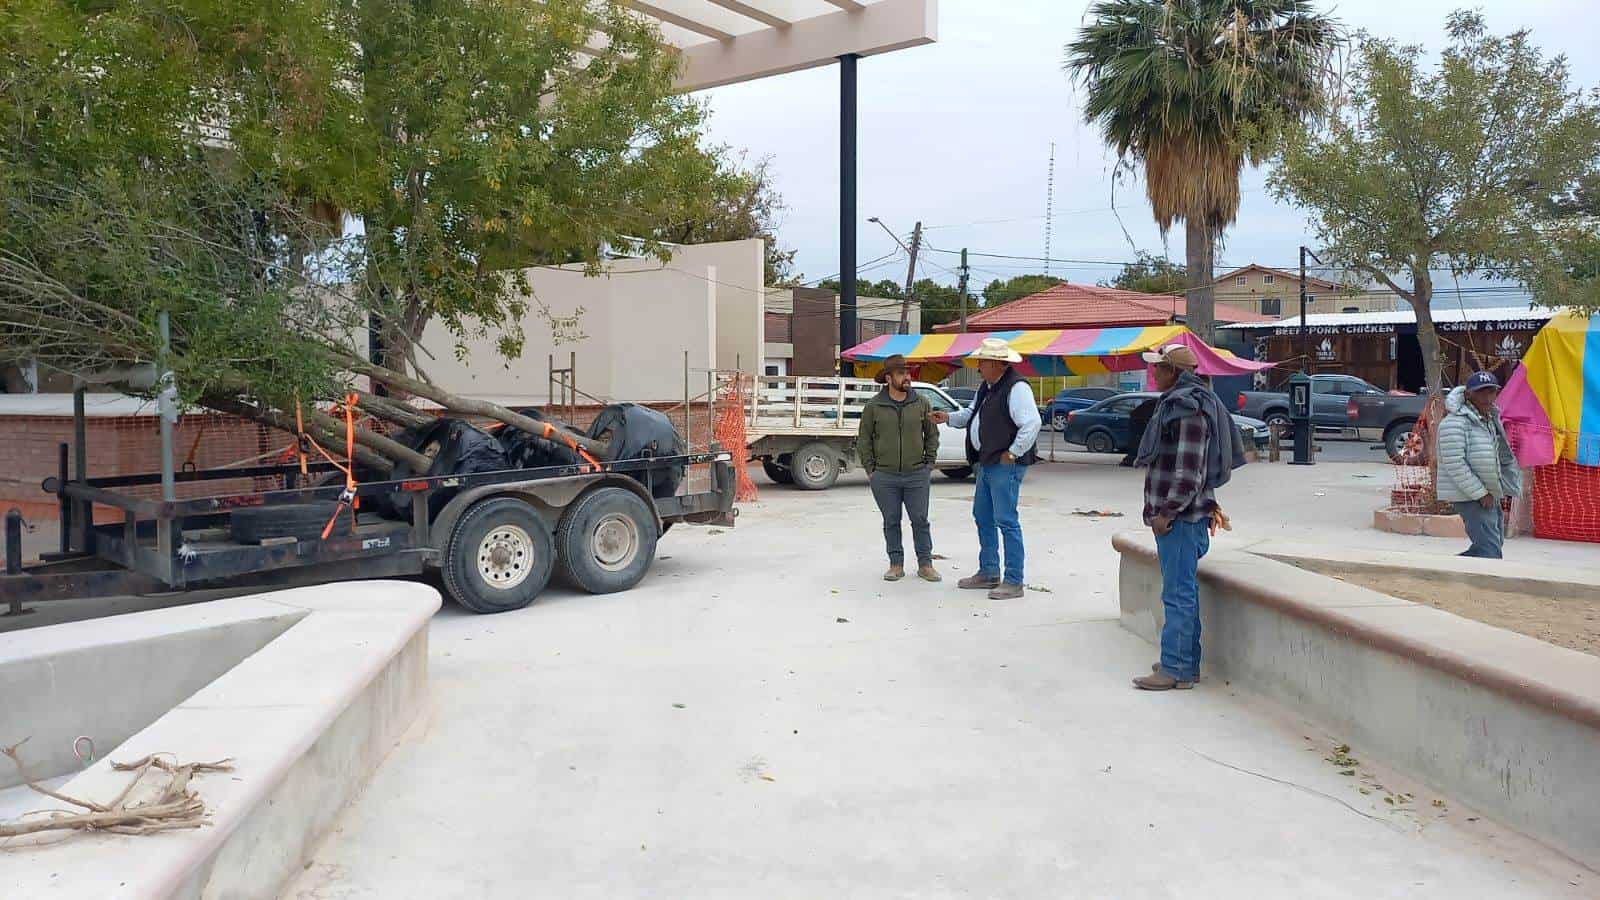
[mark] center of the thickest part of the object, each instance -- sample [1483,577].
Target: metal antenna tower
[1049,206]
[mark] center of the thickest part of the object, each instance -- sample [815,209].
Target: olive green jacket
[897,437]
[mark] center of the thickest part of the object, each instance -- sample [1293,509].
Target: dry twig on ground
[173,807]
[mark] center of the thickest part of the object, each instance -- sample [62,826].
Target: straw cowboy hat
[996,349]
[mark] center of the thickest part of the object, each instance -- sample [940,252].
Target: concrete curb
[307,720]
[1506,722]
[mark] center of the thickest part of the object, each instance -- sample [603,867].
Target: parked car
[962,395]
[1107,426]
[1386,416]
[1055,411]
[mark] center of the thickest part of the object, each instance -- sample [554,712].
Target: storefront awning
[1082,351]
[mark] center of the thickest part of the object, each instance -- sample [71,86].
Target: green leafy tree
[1463,166]
[1191,90]
[276,174]
[1000,292]
[1150,275]
[739,203]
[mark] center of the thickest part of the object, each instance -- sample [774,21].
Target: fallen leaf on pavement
[1098,513]
[842,620]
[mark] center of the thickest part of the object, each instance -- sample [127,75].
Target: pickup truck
[1346,404]
[803,429]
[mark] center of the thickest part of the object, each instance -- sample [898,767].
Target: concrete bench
[1504,722]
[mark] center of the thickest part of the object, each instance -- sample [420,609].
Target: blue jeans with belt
[1179,551]
[994,509]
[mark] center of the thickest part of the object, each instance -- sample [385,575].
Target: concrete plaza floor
[763,717]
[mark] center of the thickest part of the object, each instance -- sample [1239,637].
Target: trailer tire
[778,472]
[301,521]
[606,541]
[815,467]
[500,556]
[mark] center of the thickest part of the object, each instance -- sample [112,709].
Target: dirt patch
[1565,622]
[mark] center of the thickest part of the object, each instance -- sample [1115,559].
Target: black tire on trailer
[499,557]
[301,521]
[815,467]
[778,472]
[606,540]
[958,474]
[1099,441]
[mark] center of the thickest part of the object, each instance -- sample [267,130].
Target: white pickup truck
[803,429]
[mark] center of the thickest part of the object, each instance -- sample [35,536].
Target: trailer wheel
[778,472]
[815,467]
[606,541]
[500,556]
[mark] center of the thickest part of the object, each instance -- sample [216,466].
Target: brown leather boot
[1161,681]
[895,573]
[1006,591]
[979,583]
[929,573]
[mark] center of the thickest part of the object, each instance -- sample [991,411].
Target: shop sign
[1326,352]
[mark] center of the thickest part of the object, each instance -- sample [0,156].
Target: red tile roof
[1090,306]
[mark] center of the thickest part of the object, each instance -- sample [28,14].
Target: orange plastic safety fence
[729,429]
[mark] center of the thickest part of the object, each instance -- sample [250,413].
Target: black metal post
[84,518]
[1301,413]
[847,208]
[64,521]
[14,560]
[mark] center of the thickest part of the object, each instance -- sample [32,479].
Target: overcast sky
[958,134]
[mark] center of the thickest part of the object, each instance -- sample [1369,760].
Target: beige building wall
[1271,292]
[630,328]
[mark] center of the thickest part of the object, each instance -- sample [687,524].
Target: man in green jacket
[898,445]
[1477,471]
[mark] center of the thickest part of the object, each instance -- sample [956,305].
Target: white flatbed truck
[803,429]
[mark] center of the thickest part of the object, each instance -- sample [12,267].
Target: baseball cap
[1480,380]
[1176,355]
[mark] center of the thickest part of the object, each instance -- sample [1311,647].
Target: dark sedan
[1055,412]
[1107,426]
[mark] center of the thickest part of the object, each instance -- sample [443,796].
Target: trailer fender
[550,497]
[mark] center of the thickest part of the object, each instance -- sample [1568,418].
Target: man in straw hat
[1002,426]
[1191,448]
[898,444]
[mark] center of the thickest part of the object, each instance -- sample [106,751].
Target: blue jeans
[1180,551]
[1485,528]
[994,508]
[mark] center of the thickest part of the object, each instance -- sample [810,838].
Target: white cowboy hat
[997,349]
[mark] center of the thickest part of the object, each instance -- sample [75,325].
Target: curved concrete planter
[337,674]
[1502,721]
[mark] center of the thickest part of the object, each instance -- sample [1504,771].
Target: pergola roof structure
[729,41]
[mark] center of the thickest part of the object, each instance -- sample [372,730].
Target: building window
[1311,298]
[1244,279]
[1272,306]
[1268,279]
[871,328]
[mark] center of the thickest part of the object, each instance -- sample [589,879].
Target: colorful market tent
[1081,351]
[1551,405]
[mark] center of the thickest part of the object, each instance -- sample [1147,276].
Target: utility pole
[911,277]
[962,289]
[1305,361]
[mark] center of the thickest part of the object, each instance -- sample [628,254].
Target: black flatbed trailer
[498,539]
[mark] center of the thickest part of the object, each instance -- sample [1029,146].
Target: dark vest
[996,431]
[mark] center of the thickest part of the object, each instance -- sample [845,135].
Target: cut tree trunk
[334,442]
[1199,239]
[466,405]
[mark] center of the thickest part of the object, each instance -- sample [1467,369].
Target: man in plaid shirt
[1190,442]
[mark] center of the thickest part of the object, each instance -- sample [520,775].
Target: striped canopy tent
[1076,351]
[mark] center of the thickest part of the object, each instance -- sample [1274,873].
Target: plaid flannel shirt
[1175,484]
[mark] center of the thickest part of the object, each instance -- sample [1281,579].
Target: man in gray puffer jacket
[1476,468]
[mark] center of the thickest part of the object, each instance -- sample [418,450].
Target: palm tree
[1191,89]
